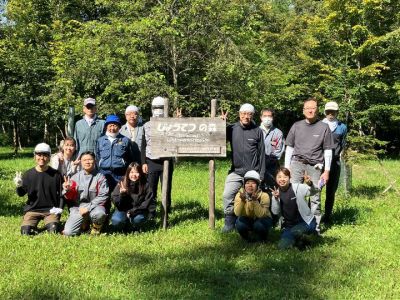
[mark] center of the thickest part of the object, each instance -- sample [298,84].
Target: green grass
[358,257]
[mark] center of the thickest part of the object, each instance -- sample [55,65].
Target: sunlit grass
[358,257]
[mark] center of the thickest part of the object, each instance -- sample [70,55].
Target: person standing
[133,129]
[89,128]
[248,153]
[43,186]
[153,166]
[309,147]
[339,132]
[114,152]
[274,146]
[252,209]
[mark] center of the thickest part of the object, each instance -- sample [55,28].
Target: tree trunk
[346,177]
[46,132]
[15,135]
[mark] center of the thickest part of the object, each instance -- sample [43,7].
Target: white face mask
[112,134]
[267,121]
[158,112]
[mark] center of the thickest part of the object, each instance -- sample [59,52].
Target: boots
[96,229]
[27,230]
[52,227]
[229,226]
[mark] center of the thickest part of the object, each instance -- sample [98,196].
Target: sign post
[211,168]
[165,178]
[185,137]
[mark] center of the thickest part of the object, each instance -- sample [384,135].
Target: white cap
[331,106]
[89,101]
[158,101]
[42,148]
[252,175]
[131,108]
[247,108]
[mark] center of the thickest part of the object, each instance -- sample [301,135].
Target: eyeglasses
[310,108]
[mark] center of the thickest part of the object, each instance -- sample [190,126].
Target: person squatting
[110,163]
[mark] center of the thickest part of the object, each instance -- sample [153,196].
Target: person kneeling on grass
[251,206]
[87,193]
[289,200]
[132,197]
[43,186]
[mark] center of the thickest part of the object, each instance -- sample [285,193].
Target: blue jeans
[290,235]
[259,226]
[119,220]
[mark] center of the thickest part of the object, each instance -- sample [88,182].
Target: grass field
[357,258]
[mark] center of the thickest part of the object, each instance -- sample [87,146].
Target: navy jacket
[113,158]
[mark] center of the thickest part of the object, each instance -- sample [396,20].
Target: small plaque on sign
[205,137]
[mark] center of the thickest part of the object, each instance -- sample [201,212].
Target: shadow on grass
[190,210]
[11,155]
[370,191]
[230,269]
[345,215]
[8,209]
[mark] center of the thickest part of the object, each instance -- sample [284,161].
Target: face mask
[158,112]
[112,134]
[267,121]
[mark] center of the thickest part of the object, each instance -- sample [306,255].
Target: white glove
[56,211]
[18,179]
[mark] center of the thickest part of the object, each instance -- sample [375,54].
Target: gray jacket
[301,191]
[87,196]
[126,132]
[86,136]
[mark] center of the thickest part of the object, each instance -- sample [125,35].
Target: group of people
[104,163]
[257,188]
[109,163]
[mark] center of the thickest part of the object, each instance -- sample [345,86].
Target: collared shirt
[274,142]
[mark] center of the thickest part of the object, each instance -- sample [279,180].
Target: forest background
[271,53]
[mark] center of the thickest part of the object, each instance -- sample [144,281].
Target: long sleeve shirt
[43,189]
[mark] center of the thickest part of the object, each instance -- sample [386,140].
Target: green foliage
[270,53]
[362,147]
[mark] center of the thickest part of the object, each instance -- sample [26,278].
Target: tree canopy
[271,53]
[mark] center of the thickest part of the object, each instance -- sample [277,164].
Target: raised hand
[275,192]
[307,178]
[122,187]
[223,115]
[67,183]
[178,112]
[60,156]
[77,161]
[18,179]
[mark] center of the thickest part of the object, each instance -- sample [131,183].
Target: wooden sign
[174,137]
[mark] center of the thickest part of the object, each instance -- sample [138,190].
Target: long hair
[142,178]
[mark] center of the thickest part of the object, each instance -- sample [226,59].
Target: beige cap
[332,105]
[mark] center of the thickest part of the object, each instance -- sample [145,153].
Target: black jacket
[248,151]
[132,201]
